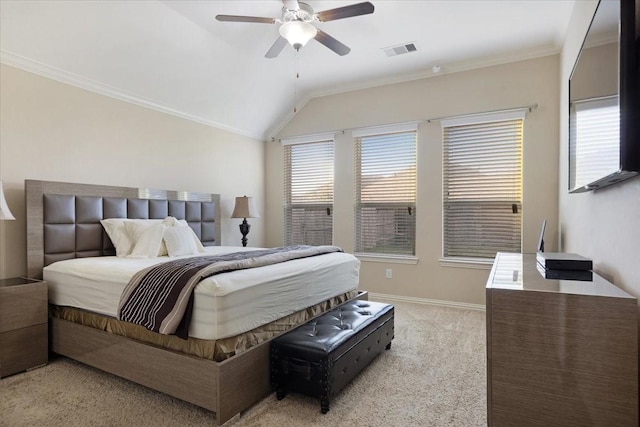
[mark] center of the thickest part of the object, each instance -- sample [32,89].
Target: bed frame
[63,222]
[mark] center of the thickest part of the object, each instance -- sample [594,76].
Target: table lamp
[5,213]
[244,208]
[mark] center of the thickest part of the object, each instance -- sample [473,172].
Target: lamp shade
[245,208]
[5,213]
[297,33]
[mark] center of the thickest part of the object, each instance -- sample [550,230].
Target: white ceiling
[175,57]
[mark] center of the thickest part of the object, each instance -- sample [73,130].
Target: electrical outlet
[389,273]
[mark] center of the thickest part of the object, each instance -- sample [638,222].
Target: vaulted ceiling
[175,56]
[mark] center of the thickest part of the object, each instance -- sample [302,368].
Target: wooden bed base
[226,388]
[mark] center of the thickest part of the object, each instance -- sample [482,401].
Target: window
[385,206]
[482,185]
[308,193]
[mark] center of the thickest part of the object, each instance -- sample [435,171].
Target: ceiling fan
[296,28]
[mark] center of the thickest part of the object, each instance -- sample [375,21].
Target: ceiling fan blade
[332,43]
[276,48]
[345,12]
[235,18]
[291,4]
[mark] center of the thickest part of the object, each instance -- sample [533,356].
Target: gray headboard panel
[63,219]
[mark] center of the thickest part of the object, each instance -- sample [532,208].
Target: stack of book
[564,266]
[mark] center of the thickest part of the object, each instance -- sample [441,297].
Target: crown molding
[403,78]
[35,67]
[62,76]
[275,130]
[456,67]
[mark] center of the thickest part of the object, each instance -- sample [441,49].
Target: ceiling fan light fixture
[298,33]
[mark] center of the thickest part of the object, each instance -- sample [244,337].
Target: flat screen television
[604,100]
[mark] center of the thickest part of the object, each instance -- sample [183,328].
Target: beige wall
[56,132]
[602,225]
[499,87]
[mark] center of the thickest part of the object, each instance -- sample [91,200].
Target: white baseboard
[375,296]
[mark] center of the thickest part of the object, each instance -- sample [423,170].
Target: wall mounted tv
[604,100]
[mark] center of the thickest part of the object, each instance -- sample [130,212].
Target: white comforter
[226,304]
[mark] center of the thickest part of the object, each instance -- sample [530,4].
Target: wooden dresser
[559,352]
[23,325]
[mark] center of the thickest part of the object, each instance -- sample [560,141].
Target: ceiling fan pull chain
[295,84]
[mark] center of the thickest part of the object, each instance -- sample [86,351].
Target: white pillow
[173,222]
[170,221]
[183,223]
[163,249]
[179,241]
[120,237]
[147,238]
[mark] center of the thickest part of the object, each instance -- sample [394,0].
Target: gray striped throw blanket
[160,297]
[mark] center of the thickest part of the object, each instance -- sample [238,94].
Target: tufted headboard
[63,219]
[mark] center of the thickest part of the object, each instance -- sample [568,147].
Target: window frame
[395,206]
[311,206]
[468,260]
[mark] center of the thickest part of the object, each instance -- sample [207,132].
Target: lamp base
[244,229]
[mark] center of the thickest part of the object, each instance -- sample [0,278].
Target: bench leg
[324,404]
[326,368]
[280,393]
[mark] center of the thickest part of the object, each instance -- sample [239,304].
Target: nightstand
[23,325]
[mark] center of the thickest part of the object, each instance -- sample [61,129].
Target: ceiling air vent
[400,49]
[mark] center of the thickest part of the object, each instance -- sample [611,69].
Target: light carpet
[433,375]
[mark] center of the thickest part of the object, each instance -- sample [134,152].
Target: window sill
[387,258]
[474,263]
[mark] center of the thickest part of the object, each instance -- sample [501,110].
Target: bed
[217,367]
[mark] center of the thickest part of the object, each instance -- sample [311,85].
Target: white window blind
[482,188]
[385,208]
[308,193]
[596,125]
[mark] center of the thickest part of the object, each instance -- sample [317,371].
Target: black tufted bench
[322,356]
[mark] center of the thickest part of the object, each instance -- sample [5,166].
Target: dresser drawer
[23,305]
[22,349]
